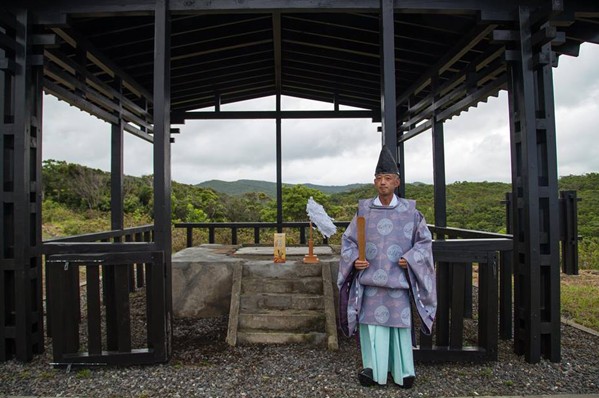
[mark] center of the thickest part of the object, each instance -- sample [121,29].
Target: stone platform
[267,302]
[203,275]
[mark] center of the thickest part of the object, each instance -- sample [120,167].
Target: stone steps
[281,301]
[288,320]
[305,285]
[270,337]
[282,304]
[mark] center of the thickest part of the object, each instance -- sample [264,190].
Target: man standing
[375,292]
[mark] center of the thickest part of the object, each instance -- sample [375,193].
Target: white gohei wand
[323,222]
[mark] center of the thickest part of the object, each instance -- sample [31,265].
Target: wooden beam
[180,117]
[470,40]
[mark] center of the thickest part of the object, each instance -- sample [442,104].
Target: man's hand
[360,265]
[403,263]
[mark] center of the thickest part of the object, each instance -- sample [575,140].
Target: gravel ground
[203,365]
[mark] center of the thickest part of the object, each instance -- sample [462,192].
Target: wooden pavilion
[143,66]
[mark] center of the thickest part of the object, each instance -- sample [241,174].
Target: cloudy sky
[339,152]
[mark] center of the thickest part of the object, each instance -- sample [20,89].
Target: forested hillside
[241,187]
[76,200]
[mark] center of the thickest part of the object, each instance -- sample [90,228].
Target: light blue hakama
[386,349]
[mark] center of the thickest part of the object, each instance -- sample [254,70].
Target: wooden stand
[361,238]
[311,258]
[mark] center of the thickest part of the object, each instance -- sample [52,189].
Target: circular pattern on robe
[371,251]
[418,257]
[381,314]
[371,291]
[395,293]
[394,253]
[380,277]
[347,254]
[408,229]
[384,226]
[405,316]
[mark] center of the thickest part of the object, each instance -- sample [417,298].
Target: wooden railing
[455,259]
[115,264]
[143,233]
[234,227]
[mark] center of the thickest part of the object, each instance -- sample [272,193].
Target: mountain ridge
[240,187]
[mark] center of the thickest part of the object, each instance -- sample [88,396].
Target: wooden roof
[228,51]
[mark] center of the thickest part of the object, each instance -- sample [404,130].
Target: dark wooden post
[116,165]
[440,203]
[279,168]
[162,163]
[189,234]
[535,196]
[116,222]
[387,53]
[505,278]
[569,231]
[21,313]
[277,47]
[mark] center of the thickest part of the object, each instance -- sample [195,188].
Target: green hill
[241,187]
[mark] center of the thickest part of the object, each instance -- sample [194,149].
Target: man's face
[386,183]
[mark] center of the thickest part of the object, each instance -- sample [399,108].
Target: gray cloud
[338,152]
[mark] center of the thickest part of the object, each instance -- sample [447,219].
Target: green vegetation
[580,298]
[76,200]
[84,374]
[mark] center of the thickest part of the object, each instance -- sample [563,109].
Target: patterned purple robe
[379,295]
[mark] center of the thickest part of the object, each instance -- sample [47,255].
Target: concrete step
[288,320]
[270,337]
[291,270]
[252,302]
[282,303]
[306,285]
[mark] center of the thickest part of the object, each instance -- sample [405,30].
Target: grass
[580,298]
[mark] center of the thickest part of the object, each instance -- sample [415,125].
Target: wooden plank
[3,311]
[108,283]
[468,291]
[122,308]
[149,305]
[487,312]
[57,310]
[94,315]
[329,306]
[444,354]
[505,295]
[442,317]
[473,245]
[234,305]
[95,248]
[70,305]
[456,332]
[159,311]
[134,357]
[425,341]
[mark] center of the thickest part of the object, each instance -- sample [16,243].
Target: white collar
[377,201]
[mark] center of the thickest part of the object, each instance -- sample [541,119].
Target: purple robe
[379,295]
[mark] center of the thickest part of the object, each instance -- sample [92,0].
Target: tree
[91,185]
[294,203]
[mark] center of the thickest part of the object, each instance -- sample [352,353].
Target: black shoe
[408,382]
[366,378]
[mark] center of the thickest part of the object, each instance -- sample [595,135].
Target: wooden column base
[311,259]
